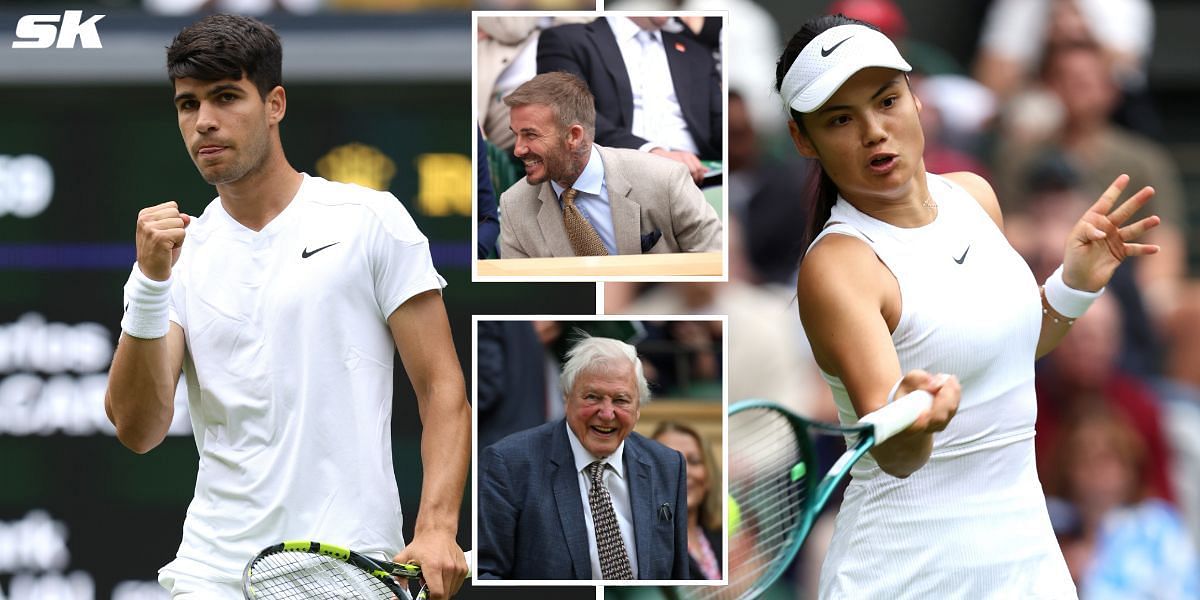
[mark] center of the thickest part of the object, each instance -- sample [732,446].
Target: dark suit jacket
[714,540]
[487,217]
[511,364]
[590,51]
[531,522]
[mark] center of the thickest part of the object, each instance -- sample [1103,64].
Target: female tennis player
[910,273]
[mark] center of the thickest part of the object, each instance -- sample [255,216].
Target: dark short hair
[563,92]
[226,47]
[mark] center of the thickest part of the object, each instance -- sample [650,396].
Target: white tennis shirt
[971,523]
[289,374]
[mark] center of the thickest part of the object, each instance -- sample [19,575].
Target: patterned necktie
[584,239]
[614,562]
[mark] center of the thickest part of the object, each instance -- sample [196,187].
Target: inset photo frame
[634,403]
[601,146]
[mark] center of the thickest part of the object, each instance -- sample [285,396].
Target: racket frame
[380,569]
[816,492]
[872,429]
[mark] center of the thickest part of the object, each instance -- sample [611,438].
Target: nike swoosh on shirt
[825,52]
[964,256]
[305,253]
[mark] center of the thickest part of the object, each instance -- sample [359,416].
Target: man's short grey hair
[597,352]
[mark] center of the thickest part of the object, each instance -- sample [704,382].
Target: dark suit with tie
[531,520]
[590,51]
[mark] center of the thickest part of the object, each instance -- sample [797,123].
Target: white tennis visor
[831,58]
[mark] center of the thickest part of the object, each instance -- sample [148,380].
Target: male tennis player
[586,498]
[284,310]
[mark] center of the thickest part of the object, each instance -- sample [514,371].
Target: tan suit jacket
[649,196]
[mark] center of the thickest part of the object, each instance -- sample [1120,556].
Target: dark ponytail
[822,191]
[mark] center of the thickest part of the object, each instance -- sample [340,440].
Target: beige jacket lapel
[550,220]
[626,214]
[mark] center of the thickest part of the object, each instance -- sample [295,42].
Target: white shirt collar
[590,180]
[583,458]
[623,28]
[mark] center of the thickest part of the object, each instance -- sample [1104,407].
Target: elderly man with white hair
[585,497]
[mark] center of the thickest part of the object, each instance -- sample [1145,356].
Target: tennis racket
[317,571]
[775,488]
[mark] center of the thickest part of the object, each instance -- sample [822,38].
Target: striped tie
[614,562]
[584,239]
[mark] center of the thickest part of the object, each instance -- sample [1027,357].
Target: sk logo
[40,31]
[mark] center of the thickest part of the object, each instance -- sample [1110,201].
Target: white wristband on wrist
[146,306]
[1068,301]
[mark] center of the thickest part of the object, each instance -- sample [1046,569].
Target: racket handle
[898,415]
[423,594]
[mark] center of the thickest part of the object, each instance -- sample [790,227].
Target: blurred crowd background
[1048,99]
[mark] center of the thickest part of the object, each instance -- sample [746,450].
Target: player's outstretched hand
[1098,242]
[946,391]
[159,238]
[443,564]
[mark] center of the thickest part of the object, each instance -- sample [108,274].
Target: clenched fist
[160,233]
[946,391]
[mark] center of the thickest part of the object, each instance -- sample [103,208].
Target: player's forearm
[445,454]
[1054,329]
[140,400]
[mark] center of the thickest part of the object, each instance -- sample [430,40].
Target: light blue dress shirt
[592,200]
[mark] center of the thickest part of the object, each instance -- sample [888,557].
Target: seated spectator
[667,97]
[703,496]
[1081,84]
[1118,542]
[1180,393]
[1081,377]
[582,199]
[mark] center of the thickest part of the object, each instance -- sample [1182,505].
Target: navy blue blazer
[531,522]
[590,51]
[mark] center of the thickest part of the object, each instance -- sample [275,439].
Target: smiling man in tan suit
[580,199]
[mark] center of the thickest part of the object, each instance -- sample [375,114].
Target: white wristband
[146,306]
[1068,301]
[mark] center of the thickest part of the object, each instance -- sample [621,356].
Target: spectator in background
[762,192]
[1180,394]
[487,219]
[1016,32]
[1123,544]
[683,358]
[751,38]
[703,496]
[941,156]
[1082,377]
[581,199]
[517,377]
[665,100]
[1036,232]
[1077,76]
[925,58]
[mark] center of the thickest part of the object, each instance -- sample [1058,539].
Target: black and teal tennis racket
[317,571]
[776,491]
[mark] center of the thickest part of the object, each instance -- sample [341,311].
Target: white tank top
[972,522]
